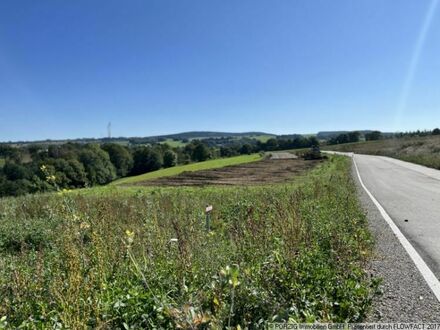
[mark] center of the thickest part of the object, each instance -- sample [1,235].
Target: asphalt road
[410,194]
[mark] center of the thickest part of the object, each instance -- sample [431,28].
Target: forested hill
[151,139]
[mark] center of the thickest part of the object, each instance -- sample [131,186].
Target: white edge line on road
[423,268]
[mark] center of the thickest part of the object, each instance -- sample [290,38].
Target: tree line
[73,165]
[37,168]
[272,144]
[435,131]
[355,136]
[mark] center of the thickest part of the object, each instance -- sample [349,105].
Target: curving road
[402,201]
[410,194]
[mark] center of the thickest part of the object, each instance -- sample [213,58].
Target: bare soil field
[260,172]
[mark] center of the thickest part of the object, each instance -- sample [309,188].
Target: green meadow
[142,258]
[206,165]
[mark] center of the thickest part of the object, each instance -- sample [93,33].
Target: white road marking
[423,268]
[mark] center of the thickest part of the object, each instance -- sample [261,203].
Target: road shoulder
[405,295]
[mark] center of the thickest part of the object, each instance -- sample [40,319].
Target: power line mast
[109,130]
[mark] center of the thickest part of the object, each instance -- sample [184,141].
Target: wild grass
[420,150]
[292,252]
[206,165]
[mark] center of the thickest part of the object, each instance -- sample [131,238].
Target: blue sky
[151,67]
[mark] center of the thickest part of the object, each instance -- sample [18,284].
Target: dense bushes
[73,165]
[82,165]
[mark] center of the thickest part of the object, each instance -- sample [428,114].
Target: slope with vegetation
[423,150]
[83,165]
[74,165]
[209,164]
[143,259]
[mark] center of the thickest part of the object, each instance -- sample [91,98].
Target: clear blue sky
[151,67]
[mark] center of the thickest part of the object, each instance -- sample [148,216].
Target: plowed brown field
[260,172]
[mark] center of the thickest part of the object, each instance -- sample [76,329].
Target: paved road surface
[411,196]
[282,155]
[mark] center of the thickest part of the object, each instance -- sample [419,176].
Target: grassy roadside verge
[210,164]
[291,252]
[419,150]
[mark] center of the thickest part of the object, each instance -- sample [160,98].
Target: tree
[246,149]
[354,136]
[373,136]
[299,142]
[271,144]
[15,188]
[67,150]
[284,144]
[146,160]
[76,173]
[68,173]
[313,141]
[228,151]
[6,150]
[120,157]
[35,151]
[14,171]
[97,164]
[11,153]
[200,153]
[341,138]
[436,131]
[169,158]
[182,156]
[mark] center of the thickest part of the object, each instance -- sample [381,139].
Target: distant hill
[153,139]
[326,135]
[209,134]
[180,139]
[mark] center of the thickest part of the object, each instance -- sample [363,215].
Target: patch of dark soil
[264,171]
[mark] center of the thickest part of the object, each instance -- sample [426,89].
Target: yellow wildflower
[130,236]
